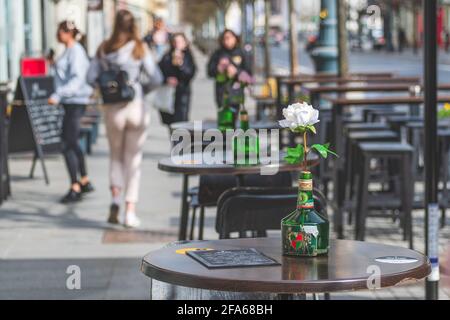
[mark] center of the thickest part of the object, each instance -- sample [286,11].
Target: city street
[347,199]
[405,63]
[40,238]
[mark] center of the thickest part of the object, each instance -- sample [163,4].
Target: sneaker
[114,211]
[132,221]
[87,188]
[71,197]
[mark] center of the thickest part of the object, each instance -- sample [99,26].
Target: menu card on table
[223,259]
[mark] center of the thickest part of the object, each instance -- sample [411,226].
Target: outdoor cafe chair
[211,187]
[255,211]
[400,197]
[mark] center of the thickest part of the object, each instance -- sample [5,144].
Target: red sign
[33,67]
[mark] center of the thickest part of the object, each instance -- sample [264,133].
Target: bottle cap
[306,175]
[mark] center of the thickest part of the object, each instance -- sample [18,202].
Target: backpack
[115,85]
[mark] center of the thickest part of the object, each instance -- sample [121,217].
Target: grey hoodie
[124,59]
[70,72]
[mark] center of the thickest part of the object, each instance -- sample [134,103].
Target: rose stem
[305,160]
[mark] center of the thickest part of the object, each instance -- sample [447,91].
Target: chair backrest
[258,210]
[212,187]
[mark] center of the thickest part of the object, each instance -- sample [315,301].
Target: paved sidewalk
[40,239]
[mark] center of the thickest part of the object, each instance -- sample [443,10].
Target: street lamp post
[254,39]
[325,55]
[293,42]
[267,60]
[431,160]
[245,30]
[342,38]
[244,22]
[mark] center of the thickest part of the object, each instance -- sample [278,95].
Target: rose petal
[314,117]
[300,114]
[285,123]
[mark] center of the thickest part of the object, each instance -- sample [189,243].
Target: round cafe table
[347,267]
[192,168]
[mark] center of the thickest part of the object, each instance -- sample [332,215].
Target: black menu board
[223,259]
[35,125]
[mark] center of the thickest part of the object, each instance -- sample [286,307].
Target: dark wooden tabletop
[334,75]
[299,81]
[359,88]
[347,267]
[420,124]
[352,87]
[380,100]
[212,124]
[192,167]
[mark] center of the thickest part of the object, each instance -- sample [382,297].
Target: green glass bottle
[226,118]
[244,123]
[246,147]
[305,233]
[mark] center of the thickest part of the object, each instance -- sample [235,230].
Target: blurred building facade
[28,27]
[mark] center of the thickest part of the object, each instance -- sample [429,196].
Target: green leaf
[324,150]
[333,153]
[329,151]
[294,152]
[292,160]
[443,113]
[312,129]
[295,155]
[299,130]
[298,151]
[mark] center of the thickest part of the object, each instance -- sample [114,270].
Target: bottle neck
[243,119]
[225,100]
[305,192]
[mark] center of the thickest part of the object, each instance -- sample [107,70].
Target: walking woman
[73,93]
[229,62]
[126,123]
[178,68]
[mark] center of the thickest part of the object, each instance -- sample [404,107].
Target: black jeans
[71,148]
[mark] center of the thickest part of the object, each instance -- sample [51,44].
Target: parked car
[311,42]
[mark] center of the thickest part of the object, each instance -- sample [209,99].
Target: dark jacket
[237,57]
[184,74]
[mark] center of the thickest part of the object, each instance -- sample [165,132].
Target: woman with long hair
[126,123]
[228,62]
[73,93]
[178,68]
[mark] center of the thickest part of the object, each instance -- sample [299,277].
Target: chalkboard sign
[35,126]
[223,259]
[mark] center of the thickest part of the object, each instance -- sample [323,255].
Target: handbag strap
[104,64]
[107,65]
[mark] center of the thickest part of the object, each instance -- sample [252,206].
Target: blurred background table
[191,168]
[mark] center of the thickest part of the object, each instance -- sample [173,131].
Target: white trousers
[126,127]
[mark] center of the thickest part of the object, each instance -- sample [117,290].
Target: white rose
[299,115]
